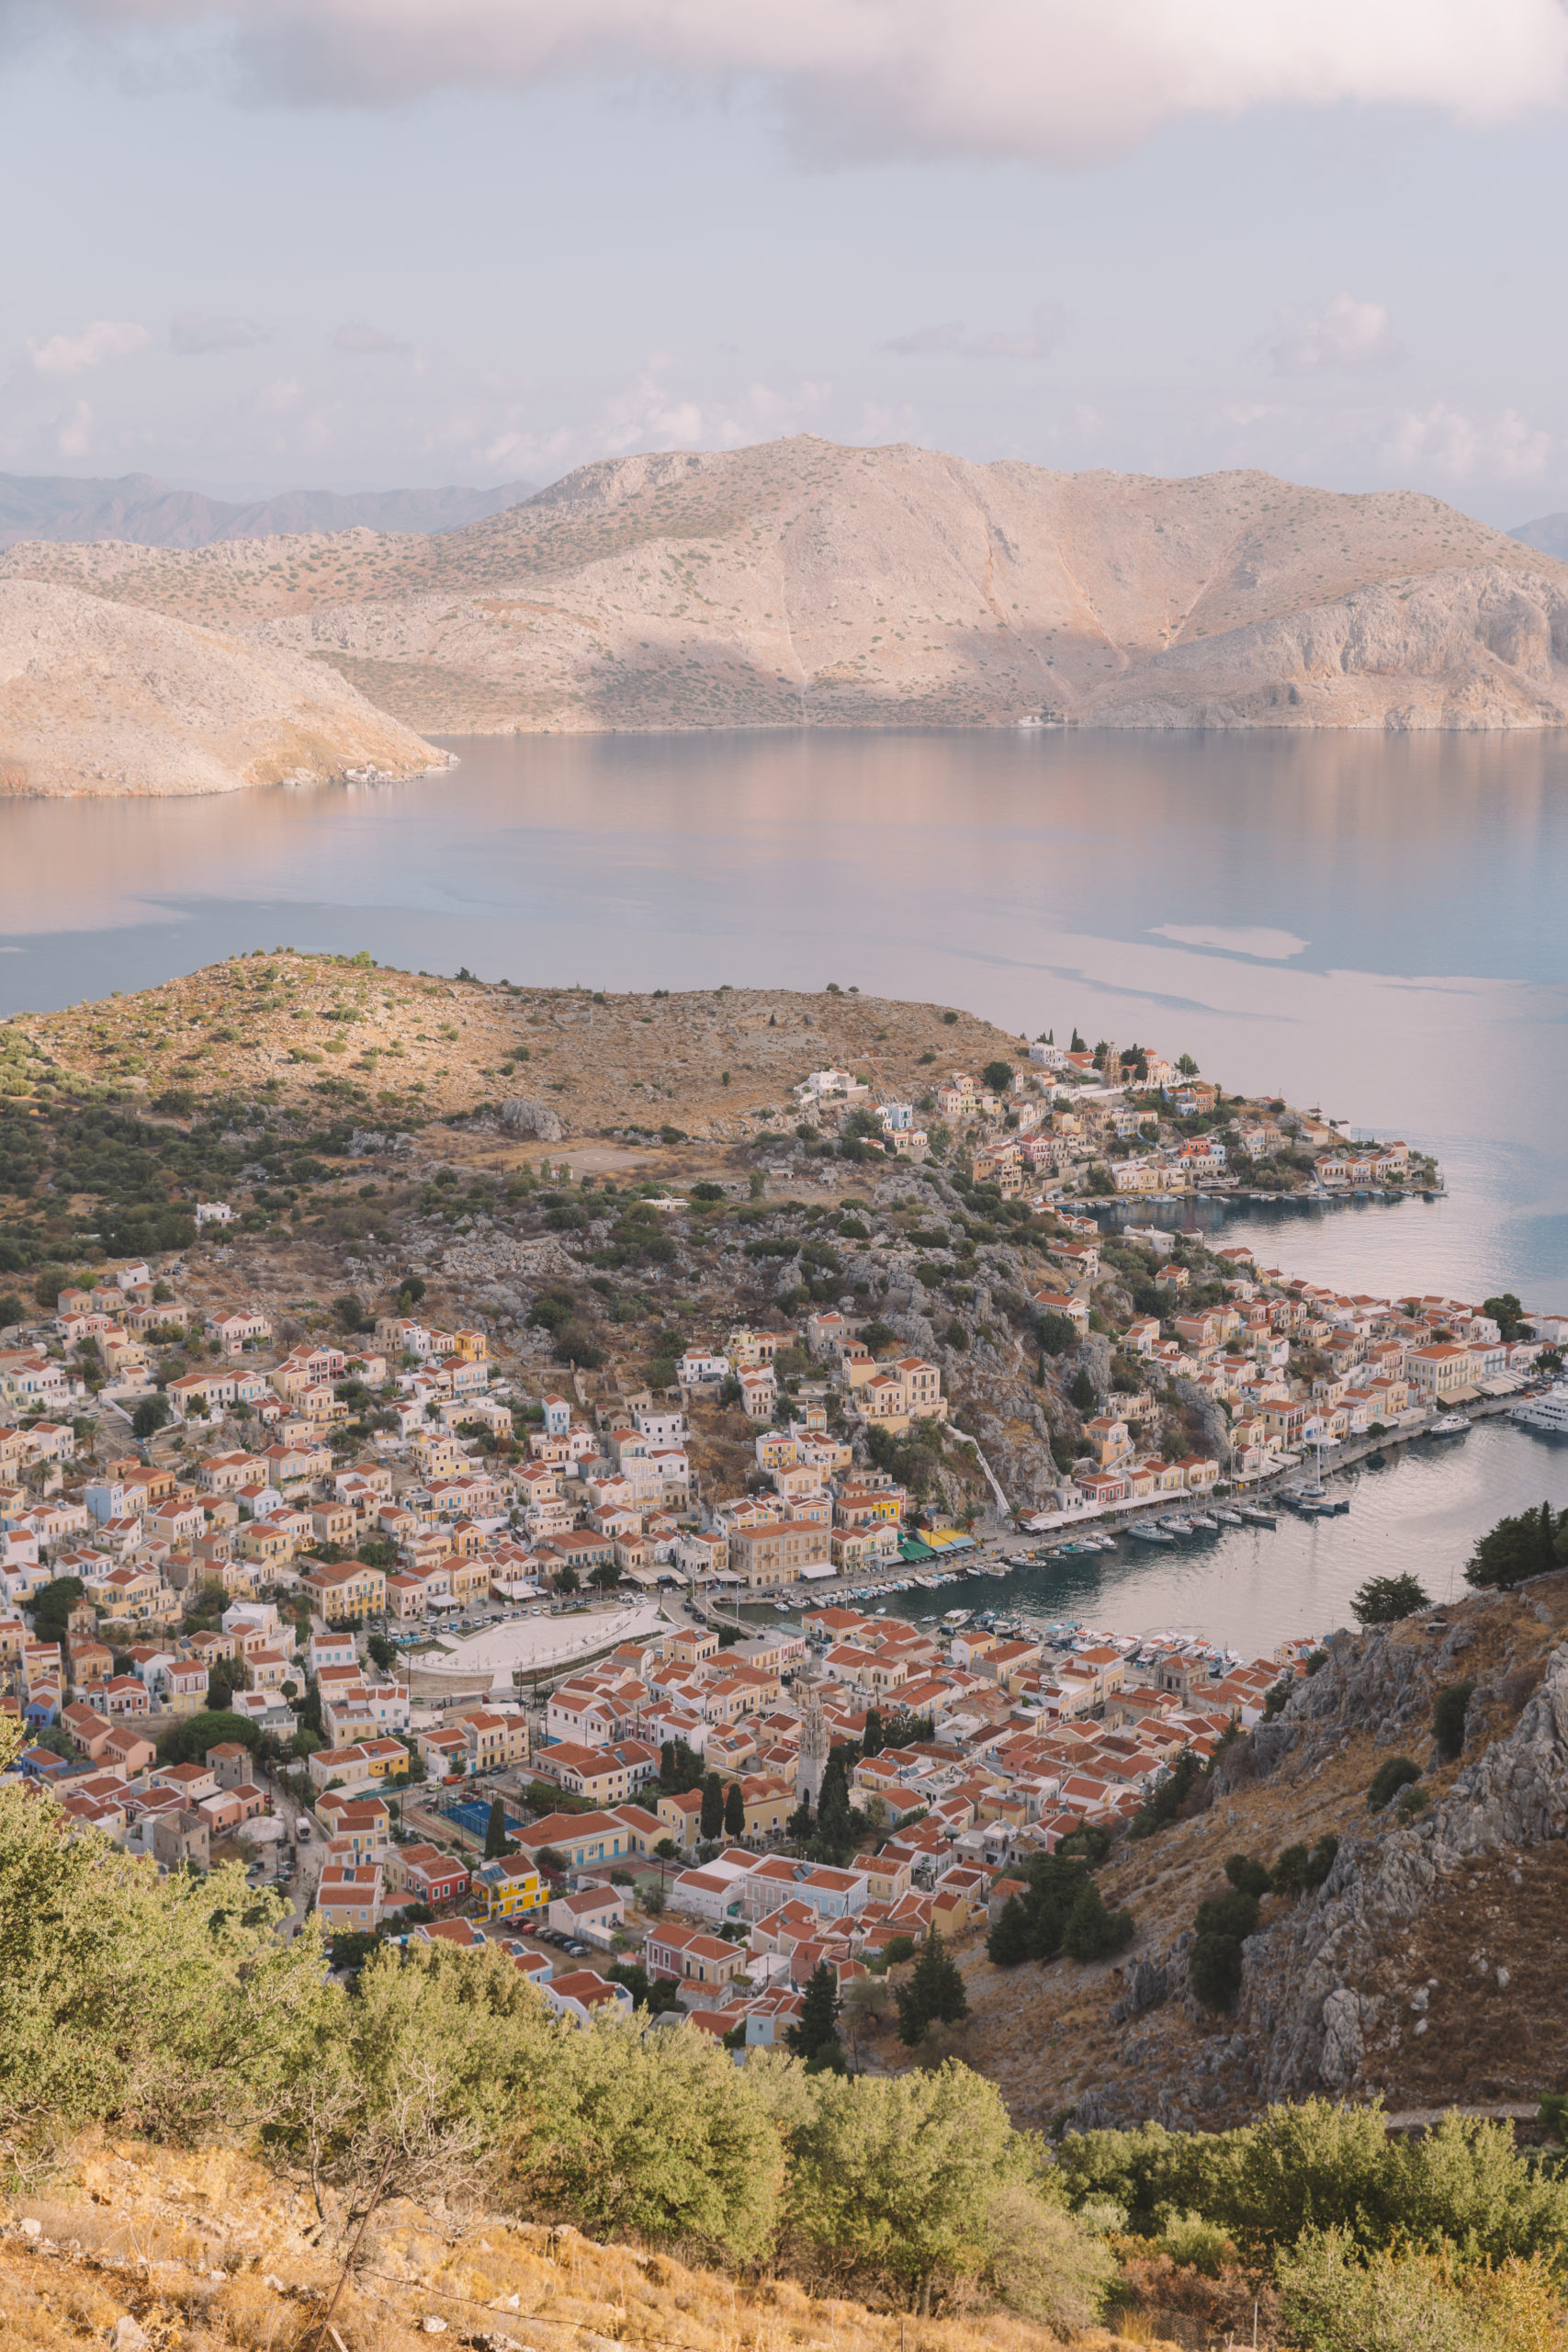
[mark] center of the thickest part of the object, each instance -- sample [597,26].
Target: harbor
[1245,1574]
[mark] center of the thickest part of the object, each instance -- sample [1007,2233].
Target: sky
[257,245]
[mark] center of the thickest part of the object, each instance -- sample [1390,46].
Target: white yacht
[1448,1425]
[1547,1412]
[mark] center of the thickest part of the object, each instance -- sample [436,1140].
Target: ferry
[1548,1414]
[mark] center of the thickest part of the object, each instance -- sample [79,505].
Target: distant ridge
[147,513]
[1547,534]
[799,583]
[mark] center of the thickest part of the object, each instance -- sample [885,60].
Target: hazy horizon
[355,246]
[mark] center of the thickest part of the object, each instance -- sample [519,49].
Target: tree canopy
[1533,1544]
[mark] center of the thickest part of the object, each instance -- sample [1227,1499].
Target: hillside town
[320,1595]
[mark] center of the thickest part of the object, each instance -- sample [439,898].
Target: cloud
[1348,337]
[191,332]
[1037,341]
[1446,441]
[367,341]
[1049,80]
[100,339]
[73,436]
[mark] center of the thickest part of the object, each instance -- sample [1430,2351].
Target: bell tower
[813,1748]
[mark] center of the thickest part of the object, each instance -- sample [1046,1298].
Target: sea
[1373,925]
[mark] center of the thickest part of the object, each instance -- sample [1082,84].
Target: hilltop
[798,583]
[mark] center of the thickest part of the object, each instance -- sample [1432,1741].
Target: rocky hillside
[1426,1970]
[141,2248]
[798,583]
[99,697]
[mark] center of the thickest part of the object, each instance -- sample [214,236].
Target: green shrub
[1295,1871]
[1213,1970]
[1317,2166]
[1397,1773]
[1196,2243]
[1449,1713]
[1235,1914]
[1414,2301]
[1247,1876]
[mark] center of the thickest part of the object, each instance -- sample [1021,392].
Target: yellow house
[511,1886]
[348,1593]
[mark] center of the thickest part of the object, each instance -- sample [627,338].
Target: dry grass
[211,2255]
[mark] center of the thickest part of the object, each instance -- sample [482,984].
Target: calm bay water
[1371,924]
[1249,1588]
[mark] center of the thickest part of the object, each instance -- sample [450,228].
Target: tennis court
[473,1815]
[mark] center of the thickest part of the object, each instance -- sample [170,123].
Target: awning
[816,1572]
[647,1577]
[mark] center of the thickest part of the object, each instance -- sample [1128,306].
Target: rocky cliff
[99,697]
[1338,1992]
[802,584]
[1426,1968]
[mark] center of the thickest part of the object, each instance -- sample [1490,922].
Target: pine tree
[934,1993]
[711,1821]
[1092,1932]
[816,2035]
[496,1841]
[1007,1942]
[734,1811]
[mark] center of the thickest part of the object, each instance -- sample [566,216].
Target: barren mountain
[1548,534]
[140,508]
[96,697]
[798,583]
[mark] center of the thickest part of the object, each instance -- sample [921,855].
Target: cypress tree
[495,1830]
[872,1742]
[711,1820]
[734,1811]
